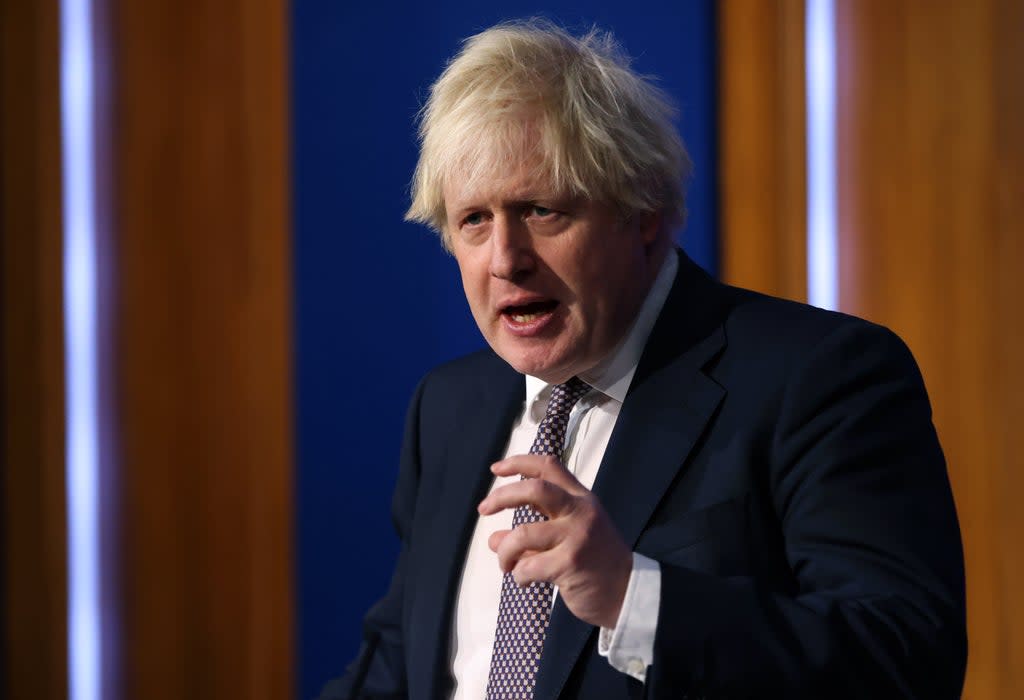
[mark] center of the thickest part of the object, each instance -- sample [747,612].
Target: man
[651,485]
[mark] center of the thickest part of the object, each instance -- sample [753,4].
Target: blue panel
[377,303]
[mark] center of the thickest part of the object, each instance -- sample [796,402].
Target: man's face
[553,281]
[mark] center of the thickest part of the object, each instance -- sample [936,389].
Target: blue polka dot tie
[524,613]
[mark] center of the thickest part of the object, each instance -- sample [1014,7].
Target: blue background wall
[377,302]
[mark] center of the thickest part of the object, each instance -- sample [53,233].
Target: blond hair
[600,130]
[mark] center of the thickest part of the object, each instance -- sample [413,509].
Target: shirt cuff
[629,647]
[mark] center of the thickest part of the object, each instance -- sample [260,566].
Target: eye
[541,212]
[473,227]
[474,219]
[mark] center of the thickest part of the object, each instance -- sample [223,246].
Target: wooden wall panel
[201,182]
[1008,118]
[32,526]
[762,153]
[931,151]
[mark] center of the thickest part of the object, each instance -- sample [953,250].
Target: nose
[512,256]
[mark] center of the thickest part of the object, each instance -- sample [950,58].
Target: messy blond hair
[600,130]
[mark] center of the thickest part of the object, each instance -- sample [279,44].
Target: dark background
[377,301]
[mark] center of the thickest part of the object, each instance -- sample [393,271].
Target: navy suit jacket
[780,463]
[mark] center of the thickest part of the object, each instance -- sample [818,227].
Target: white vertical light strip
[80,353]
[822,217]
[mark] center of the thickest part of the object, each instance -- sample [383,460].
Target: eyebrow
[519,200]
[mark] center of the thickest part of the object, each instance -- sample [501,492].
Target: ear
[648,226]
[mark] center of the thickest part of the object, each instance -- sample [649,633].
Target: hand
[578,548]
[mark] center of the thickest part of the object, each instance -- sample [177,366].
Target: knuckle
[575,506]
[589,516]
[585,509]
[572,502]
[523,533]
[574,559]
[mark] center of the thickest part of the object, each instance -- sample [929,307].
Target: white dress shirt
[629,647]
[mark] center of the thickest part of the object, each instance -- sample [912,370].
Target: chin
[524,364]
[548,361]
[550,372]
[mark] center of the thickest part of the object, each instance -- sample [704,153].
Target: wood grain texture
[31,356]
[931,227]
[762,149]
[203,344]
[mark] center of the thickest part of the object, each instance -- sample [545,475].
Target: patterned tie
[524,613]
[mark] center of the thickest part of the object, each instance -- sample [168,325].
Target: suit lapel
[669,404]
[482,436]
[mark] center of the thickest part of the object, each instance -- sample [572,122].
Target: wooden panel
[762,146]
[31,356]
[203,305]
[931,229]
[1008,116]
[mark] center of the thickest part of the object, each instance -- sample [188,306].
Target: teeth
[525,318]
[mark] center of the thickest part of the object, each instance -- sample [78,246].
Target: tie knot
[564,396]
[550,438]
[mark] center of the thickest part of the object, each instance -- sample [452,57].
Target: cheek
[475,287]
[467,271]
[596,292]
[604,292]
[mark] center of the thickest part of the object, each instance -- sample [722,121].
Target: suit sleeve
[859,484]
[378,671]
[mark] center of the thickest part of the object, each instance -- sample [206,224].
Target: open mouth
[528,313]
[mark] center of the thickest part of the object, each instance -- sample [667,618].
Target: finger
[496,538]
[526,540]
[549,499]
[541,566]
[546,467]
[494,541]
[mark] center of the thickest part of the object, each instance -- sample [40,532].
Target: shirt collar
[613,374]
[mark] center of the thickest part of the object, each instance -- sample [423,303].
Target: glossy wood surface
[203,306]
[33,544]
[761,146]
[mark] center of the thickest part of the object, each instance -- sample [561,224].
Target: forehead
[499,180]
